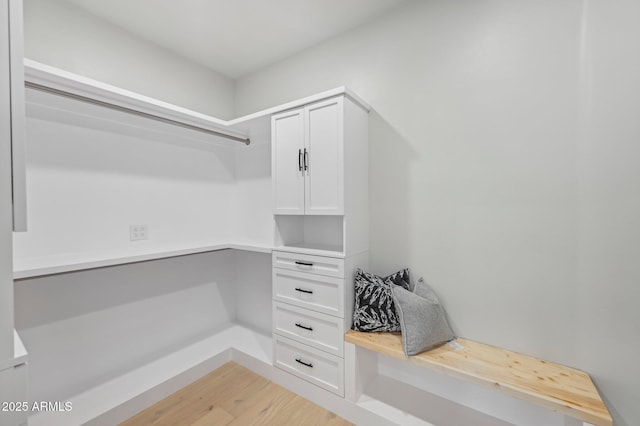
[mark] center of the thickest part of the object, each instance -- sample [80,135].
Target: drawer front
[321,265]
[324,332]
[315,292]
[320,368]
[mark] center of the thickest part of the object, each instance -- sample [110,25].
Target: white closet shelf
[69,262]
[49,77]
[46,76]
[313,249]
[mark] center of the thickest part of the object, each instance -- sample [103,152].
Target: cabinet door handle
[299,160]
[306,327]
[308,364]
[303,263]
[302,290]
[306,158]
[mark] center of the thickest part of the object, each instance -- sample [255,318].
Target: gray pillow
[422,319]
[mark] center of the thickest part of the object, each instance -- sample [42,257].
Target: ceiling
[236,37]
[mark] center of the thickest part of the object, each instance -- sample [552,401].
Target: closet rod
[86,99]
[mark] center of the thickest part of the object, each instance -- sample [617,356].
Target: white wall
[91,173]
[64,36]
[502,168]
[87,182]
[84,328]
[87,186]
[608,166]
[503,155]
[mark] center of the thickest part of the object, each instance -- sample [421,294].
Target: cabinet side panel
[356,180]
[16,50]
[253,290]
[6,213]
[253,206]
[352,263]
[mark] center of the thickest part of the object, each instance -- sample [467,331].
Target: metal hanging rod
[86,99]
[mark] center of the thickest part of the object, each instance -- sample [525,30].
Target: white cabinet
[308,159]
[321,207]
[320,177]
[309,317]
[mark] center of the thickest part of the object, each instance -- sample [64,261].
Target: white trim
[120,398]
[342,90]
[20,355]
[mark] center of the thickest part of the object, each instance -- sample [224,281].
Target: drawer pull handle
[306,327]
[302,290]
[303,263]
[307,364]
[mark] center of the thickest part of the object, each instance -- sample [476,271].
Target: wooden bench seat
[562,389]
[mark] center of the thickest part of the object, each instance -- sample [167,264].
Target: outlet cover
[138,232]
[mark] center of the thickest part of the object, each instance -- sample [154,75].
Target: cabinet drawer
[321,265]
[320,368]
[315,292]
[321,331]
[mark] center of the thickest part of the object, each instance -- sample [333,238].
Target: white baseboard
[120,398]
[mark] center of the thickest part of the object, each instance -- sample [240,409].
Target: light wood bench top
[558,388]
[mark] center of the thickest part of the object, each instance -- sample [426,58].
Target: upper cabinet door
[287,137]
[324,158]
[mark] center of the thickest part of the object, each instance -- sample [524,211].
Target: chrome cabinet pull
[299,160]
[306,158]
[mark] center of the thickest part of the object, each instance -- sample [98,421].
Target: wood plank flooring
[234,395]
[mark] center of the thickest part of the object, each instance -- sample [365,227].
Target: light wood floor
[234,395]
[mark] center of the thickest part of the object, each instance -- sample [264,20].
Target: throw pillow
[400,278]
[422,319]
[374,308]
